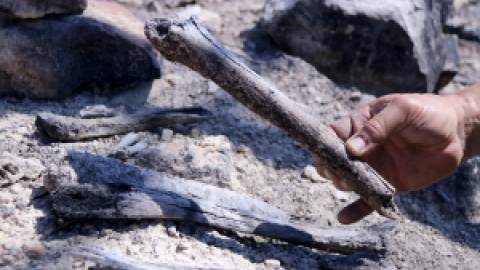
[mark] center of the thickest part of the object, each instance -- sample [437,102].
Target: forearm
[469,107]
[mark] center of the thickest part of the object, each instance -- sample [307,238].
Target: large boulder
[381,45]
[39,8]
[52,57]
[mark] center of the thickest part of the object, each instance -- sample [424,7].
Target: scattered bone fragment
[98,111]
[139,146]
[72,129]
[127,140]
[119,262]
[13,168]
[128,192]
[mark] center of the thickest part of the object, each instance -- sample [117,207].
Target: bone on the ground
[358,261]
[189,43]
[120,262]
[71,129]
[125,191]
[97,111]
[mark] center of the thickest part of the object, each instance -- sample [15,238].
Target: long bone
[189,43]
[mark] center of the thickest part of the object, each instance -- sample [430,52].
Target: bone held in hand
[189,43]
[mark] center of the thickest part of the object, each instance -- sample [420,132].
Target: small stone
[340,195]
[286,260]
[311,173]
[16,188]
[77,264]
[154,6]
[6,212]
[183,246]
[14,251]
[120,155]
[269,163]
[6,260]
[5,198]
[357,95]
[212,88]
[243,148]
[195,132]
[133,250]
[167,134]
[172,231]
[173,79]
[36,252]
[272,263]
[220,142]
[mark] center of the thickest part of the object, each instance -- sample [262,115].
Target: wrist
[468,111]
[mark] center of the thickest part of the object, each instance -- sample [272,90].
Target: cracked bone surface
[125,191]
[189,43]
[72,129]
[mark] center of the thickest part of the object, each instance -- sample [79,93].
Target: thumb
[390,119]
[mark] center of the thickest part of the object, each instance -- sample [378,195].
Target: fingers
[388,118]
[354,212]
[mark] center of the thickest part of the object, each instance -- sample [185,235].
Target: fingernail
[326,174]
[344,185]
[357,144]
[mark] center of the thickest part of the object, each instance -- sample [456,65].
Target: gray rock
[57,175]
[52,57]
[383,46]
[464,21]
[29,9]
[206,164]
[13,168]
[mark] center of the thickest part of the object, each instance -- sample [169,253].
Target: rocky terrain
[441,225]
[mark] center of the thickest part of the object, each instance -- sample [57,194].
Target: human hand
[412,140]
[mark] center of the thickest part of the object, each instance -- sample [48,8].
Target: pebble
[14,251]
[167,134]
[340,195]
[16,188]
[357,95]
[311,173]
[243,148]
[6,259]
[6,212]
[36,252]
[272,263]
[154,6]
[183,246]
[5,198]
[172,231]
[212,88]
